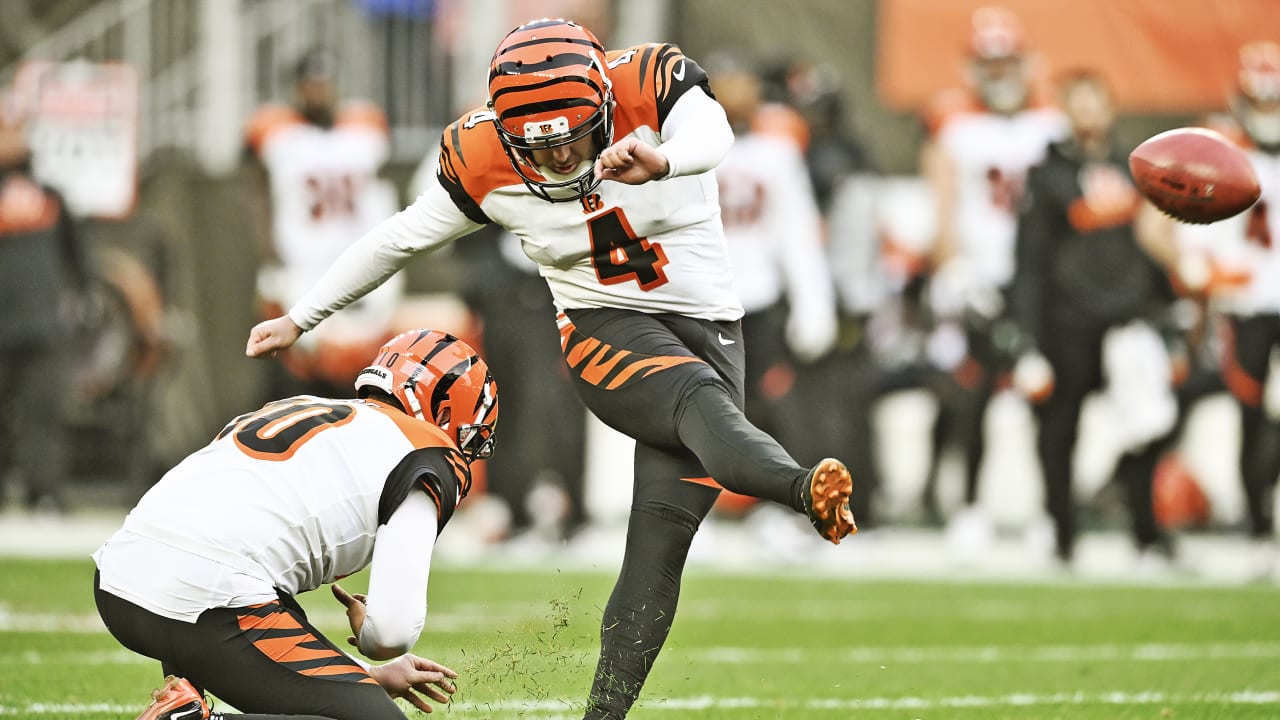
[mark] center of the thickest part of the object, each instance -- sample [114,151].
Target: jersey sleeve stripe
[449,177]
[364,115]
[267,121]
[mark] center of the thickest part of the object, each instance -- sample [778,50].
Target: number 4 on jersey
[619,256]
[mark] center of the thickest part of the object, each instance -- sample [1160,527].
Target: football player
[1089,302]
[303,492]
[1237,261]
[318,191]
[982,141]
[602,164]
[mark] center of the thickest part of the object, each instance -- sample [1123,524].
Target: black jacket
[42,263]
[1076,268]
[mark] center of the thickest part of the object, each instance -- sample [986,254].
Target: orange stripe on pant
[278,635]
[729,501]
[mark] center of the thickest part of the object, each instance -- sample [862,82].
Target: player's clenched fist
[632,162]
[269,336]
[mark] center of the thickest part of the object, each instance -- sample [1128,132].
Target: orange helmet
[1176,496]
[438,378]
[549,86]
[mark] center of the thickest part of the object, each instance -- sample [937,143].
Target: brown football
[1194,174]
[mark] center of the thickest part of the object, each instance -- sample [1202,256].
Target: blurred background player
[774,234]
[982,141]
[44,282]
[204,574]
[1237,261]
[317,190]
[1087,299]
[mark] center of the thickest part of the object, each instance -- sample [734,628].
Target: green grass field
[778,646]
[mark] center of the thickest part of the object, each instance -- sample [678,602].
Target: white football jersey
[285,498]
[1244,250]
[772,224]
[324,186]
[656,248]
[992,154]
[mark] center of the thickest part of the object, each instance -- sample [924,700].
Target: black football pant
[265,659]
[675,385]
[1249,345]
[34,437]
[1076,356]
[963,398]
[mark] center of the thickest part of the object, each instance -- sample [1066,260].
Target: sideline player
[627,233]
[983,140]
[305,491]
[317,191]
[1237,262]
[1090,303]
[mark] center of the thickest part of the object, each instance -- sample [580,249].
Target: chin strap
[411,399]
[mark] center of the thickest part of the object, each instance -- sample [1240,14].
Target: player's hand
[410,677]
[355,604]
[632,162]
[269,336]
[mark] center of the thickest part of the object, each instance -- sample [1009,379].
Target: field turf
[788,645]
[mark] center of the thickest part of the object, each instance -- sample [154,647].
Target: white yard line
[1147,652]
[707,702]
[993,653]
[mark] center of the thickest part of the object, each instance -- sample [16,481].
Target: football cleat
[827,500]
[177,699]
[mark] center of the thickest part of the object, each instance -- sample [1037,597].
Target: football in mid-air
[1194,174]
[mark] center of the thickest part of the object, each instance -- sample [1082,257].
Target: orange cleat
[178,699]
[827,502]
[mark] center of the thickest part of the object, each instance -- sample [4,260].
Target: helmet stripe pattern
[439,379]
[447,380]
[548,87]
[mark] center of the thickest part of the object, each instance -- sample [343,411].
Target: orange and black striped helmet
[549,86]
[438,378]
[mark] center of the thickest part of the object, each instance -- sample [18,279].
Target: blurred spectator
[832,153]
[317,190]
[774,234]
[842,381]
[982,141]
[1237,262]
[1087,299]
[43,285]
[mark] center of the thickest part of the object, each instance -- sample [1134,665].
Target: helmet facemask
[549,88]
[557,133]
[439,379]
